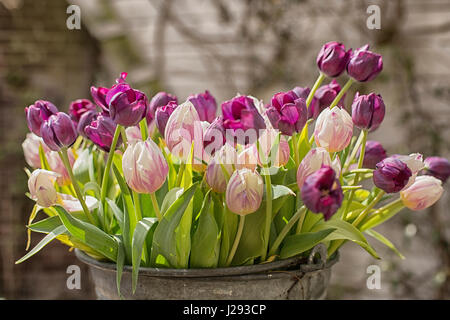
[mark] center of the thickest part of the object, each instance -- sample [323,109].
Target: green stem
[341,93]
[354,151]
[156,206]
[316,85]
[180,174]
[65,159]
[124,137]
[295,147]
[300,213]
[268,214]
[237,239]
[300,222]
[379,211]
[367,209]
[144,129]
[108,164]
[138,215]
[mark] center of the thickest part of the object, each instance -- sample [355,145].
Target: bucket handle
[320,250]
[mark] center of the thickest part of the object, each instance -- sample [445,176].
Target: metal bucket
[289,279]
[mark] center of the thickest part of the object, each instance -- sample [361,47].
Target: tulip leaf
[165,237]
[382,216]
[170,198]
[296,244]
[303,143]
[81,166]
[46,225]
[46,240]
[120,262]
[311,219]
[140,235]
[206,239]
[229,229]
[384,241]
[43,158]
[89,234]
[345,231]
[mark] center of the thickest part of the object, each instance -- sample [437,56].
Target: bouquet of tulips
[162,184]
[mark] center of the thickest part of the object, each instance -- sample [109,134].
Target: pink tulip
[30,148]
[313,161]
[423,193]
[42,187]
[334,129]
[266,143]
[244,192]
[224,159]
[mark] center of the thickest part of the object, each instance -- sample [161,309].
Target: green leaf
[46,240]
[303,143]
[345,231]
[89,234]
[119,263]
[382,216]
[46,225]
[140,234]
[81,166]
[206,239]
[299,243]
[229,229]
[384,241]
[165,238]
[170,198]
[43,158]
[117,212]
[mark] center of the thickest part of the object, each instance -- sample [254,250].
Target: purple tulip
[332,58]
[205,104]
[391,175]
[214,136]
[99,96]
[37,113]
[101,132]
[85,120]
[287,112]
[241,113]
[159,100]
[322,193]
[374,154]
[437,167]
[127,106]
[59,131]
[78,107]
[364,65]
[368,111]
[162,115]
[324,96]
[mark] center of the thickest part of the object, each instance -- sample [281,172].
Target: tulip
[144,167]
[423,193]
[287,112]
[438,167]
[266,143]
[364,65]
[133,134]
[414,161]
[323,98]
[334,129]
[159,100]
[101,132]
[99,96]
[247,158]
[59,131]
[223,160]
[313,161]
[214,136]
[244,192]
[332,58]
[368,111]
[162,116]
[85,120]
[127,106]
[241,113]
[182,128]
[374,154]
[79,107]
[391,175]
[57,166]
[37,113]
[205,104]
[30,148]
[42,187]
[322,193]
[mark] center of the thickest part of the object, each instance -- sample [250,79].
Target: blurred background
[256,47]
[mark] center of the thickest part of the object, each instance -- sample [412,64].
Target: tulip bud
[374,153]
[244,192]
[101,132]
[133,134]
[423,193]
[364,65]
[313,161]
[334,129]
[322,193]
[214,136]
[323,97]
[85,120]
[414,161]
[99,96]
[42,188]
[37,113]
[266,144]
[287,112]
[144,166]
[224,159]
[127,106]
[205,104]
[332,58]
[30,148]
[438,167]
[162,115]
[368,111]
[248,158]
[79,107]
[59,131]
[391,175]
[159,100]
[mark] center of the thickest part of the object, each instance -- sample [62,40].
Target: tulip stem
[155,206]
[180,174]
[298,215]
[300,222]
[144,129]
[295,147]
[268,214]
[316,85]
[354,151]
[341,93]
[367,209]
[65,159]
[237,239]
[124,137]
